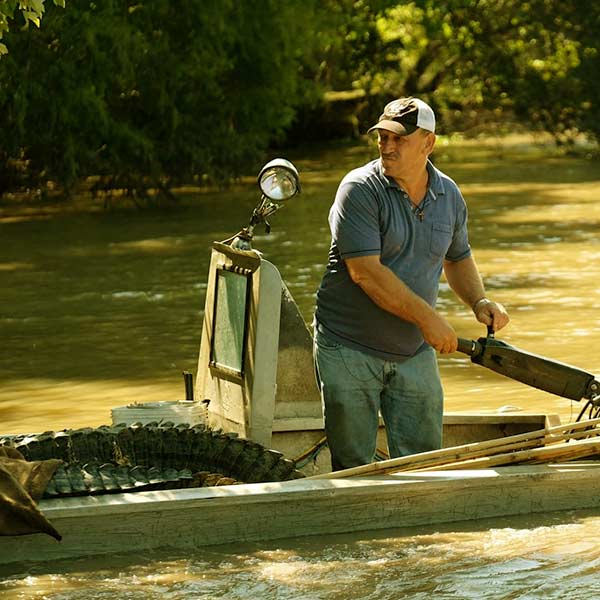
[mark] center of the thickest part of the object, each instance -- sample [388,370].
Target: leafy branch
[31,11]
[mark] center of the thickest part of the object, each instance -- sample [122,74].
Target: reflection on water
[99,310]
[545,557]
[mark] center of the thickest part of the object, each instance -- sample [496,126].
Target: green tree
[474,60]
[151,94]
[559,88]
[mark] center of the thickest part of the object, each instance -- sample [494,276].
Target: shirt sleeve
[459,248]
[354,221]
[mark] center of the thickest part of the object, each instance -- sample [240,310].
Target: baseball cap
[405,115]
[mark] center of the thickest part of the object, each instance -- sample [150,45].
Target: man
[396,223]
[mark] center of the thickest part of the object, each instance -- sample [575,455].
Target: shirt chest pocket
[441,238]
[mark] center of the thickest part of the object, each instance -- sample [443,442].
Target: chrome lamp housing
[278,181]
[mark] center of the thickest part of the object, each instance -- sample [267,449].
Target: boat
[255,392]
[277,409]
[191,518]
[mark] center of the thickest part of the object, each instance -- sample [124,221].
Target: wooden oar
[556,452]
[533,438]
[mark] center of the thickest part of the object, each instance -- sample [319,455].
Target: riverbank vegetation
[133,99]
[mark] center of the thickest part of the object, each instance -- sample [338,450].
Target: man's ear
[429,143]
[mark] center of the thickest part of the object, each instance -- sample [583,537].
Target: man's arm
[390,293]
[464,279]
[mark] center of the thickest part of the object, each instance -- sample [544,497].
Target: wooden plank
[473,418]
[453,418]
[507,452]
[564,452]
[297,424]
[208,516]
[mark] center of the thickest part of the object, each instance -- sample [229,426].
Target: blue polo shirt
[372,215]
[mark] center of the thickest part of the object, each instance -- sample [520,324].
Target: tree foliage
[149,94]
[29,11]
[536,59]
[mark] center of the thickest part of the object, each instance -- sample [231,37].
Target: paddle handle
[470,347]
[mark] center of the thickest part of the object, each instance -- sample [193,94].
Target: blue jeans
[356,386]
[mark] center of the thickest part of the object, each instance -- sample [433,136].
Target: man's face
[404,154]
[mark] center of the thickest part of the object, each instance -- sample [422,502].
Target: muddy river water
[101,309]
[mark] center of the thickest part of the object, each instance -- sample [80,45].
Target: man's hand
[439,334]
[491,313]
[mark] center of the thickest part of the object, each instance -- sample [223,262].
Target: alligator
[118,458]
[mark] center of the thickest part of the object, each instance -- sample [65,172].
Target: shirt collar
[436,184]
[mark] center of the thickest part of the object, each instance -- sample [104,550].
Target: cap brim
[394,127]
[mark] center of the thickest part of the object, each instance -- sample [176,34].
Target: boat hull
[267,511]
